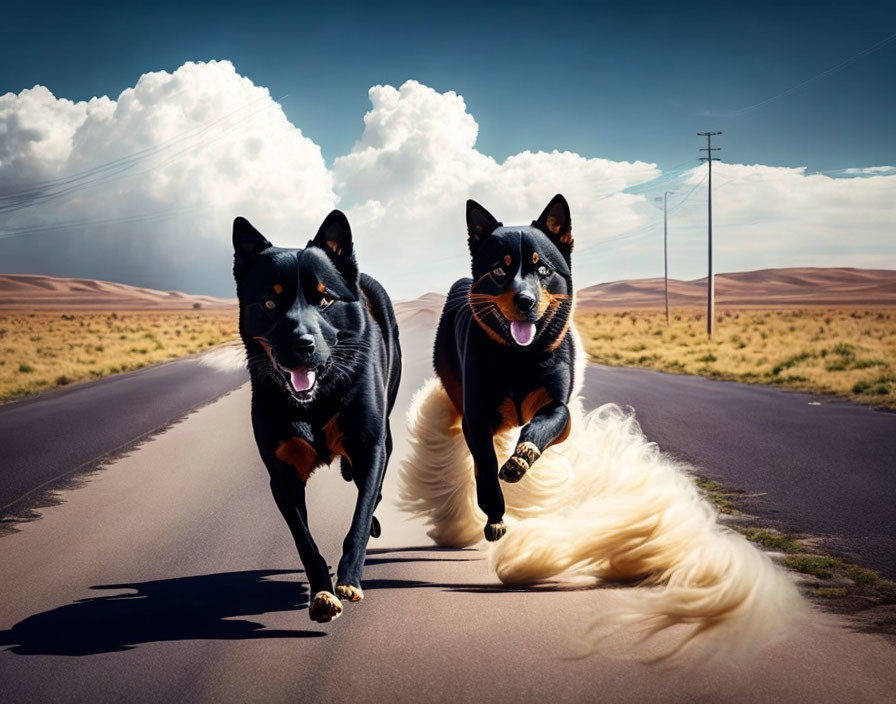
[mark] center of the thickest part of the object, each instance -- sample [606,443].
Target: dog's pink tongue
[522,332]
[302,378]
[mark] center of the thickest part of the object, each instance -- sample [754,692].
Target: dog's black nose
[524,301]
[304,345]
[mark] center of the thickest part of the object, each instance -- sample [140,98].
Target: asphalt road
[46,439]
[170,576]
[810,464]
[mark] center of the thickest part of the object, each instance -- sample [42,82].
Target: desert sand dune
[32,291]
[803,286]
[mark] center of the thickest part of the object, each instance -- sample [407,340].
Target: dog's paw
[495,531]
[349,592]
[513,470]
[375,529]
[528,451]
[325,607]
[519,463]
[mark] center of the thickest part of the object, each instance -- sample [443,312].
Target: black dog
[502,350]
[323,355]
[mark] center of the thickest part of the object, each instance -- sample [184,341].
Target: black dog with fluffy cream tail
[322,347]
[502,351]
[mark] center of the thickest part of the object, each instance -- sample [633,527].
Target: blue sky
[399,112]
[625,83]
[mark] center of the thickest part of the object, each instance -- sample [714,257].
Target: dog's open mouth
[522,332]
[302,381]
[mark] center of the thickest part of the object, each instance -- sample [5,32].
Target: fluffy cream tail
[607,505]
[636,515]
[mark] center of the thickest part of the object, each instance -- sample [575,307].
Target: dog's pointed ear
[335,238]
[248,243]
[556,223]
[480,224]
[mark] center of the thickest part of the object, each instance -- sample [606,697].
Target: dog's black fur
[322,347]
[497,374]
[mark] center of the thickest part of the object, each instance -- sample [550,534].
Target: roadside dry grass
[42,350]
[850,353]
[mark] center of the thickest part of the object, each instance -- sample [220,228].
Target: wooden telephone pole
[710,281]
[666,195]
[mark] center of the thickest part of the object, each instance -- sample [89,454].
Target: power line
[817,77]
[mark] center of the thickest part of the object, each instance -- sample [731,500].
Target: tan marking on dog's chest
[299,453]
[513,415]
[302,455]
[334,438]
[534,402]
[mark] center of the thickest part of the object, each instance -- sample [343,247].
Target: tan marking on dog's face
[556,300]
[475,310]
[559,341]
[508,307]
[278,289]
[544,301]
[507,260]
[321,288]
[266,346]
[298,453]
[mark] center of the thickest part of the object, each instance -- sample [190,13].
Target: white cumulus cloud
[143,189]
[769,216]
[407,179]
[145,184]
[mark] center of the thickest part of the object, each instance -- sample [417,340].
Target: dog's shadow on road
[203,607]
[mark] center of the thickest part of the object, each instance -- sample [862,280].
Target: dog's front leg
[368,464]
[289,494]
[479,436]
[549,425]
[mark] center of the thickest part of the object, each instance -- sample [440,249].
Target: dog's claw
[495,531]
[325,607]
[349,592]
[375,529]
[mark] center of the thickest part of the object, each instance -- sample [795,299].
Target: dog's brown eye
[498,271]
[325,302]
[269,304]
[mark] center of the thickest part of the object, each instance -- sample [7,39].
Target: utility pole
[710,281]
[666,195]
